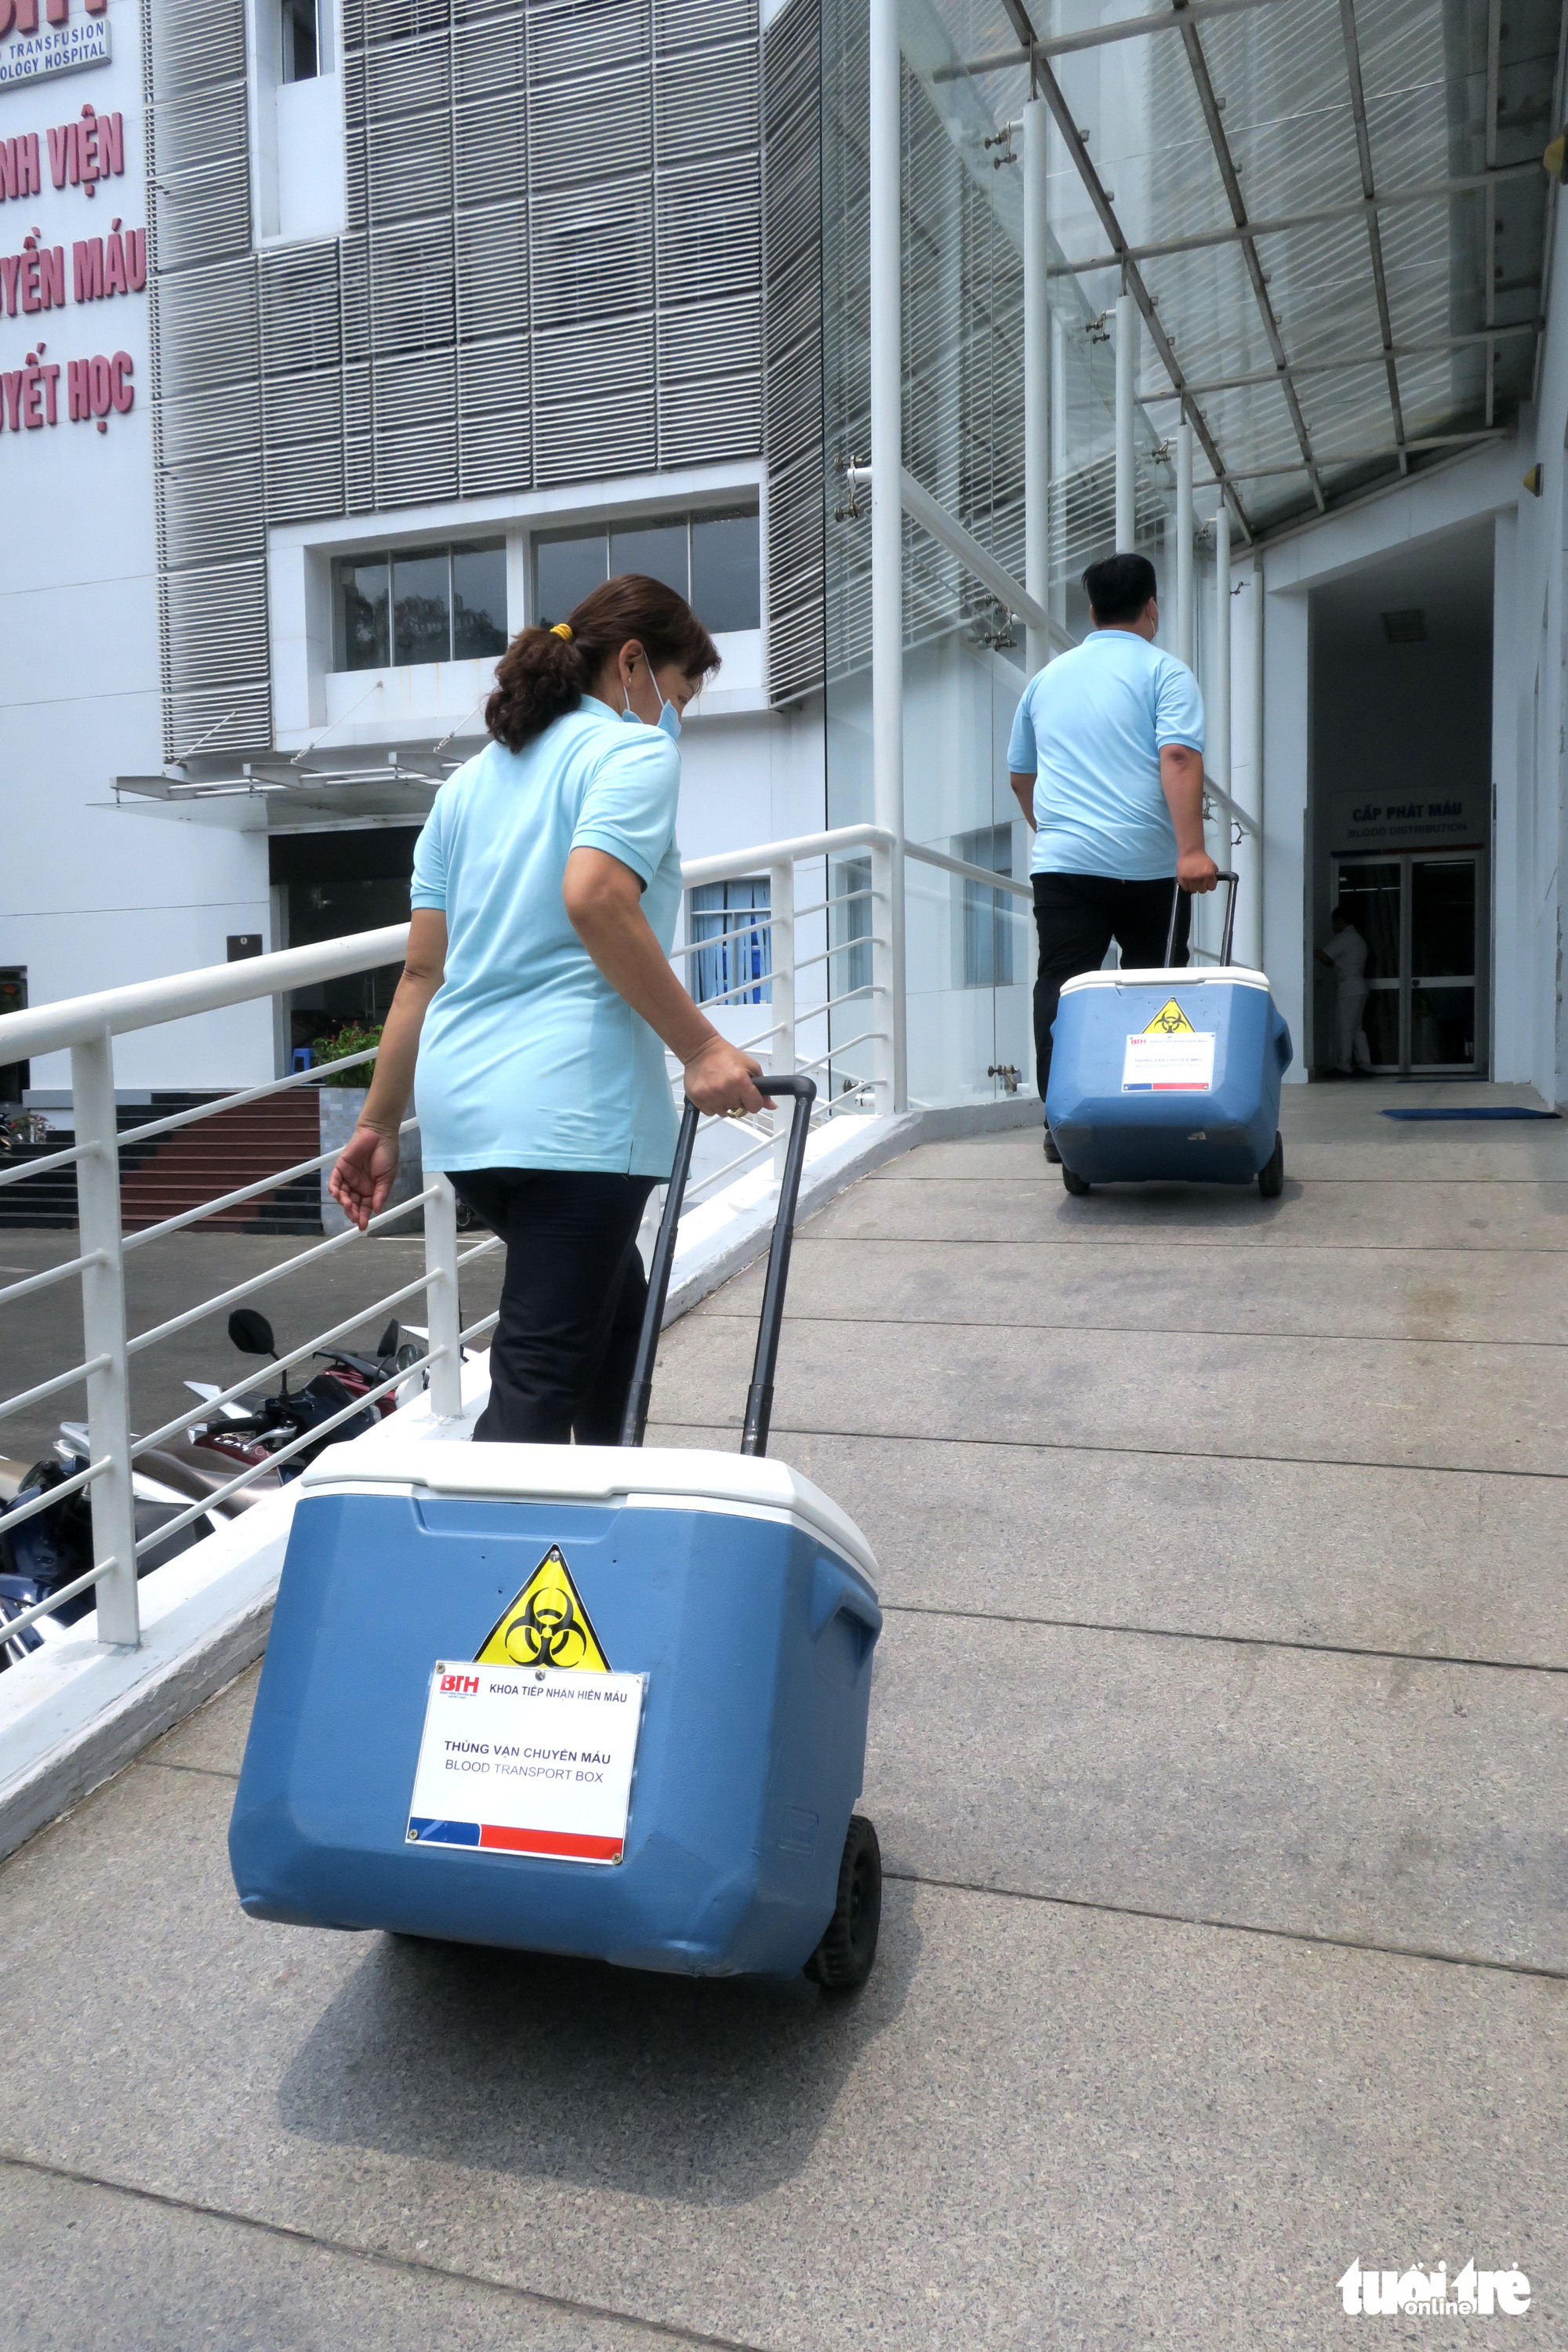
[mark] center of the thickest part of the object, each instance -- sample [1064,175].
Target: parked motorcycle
[250,1436]
[54,1548]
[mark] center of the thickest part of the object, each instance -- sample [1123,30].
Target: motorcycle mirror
[251,1333]
[387,1343]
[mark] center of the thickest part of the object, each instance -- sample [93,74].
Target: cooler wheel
[842,1961]
[1076,1185]
[1272,1175]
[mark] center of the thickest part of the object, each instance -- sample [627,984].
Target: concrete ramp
[1217,1757]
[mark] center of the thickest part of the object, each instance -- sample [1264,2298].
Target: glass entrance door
[1422,917]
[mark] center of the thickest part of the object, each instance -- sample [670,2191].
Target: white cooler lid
[1219,975]
[665,1476]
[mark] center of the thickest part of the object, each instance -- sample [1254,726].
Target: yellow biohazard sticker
[1170,1021]
[546,1625]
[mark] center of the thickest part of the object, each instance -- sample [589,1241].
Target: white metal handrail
[86,1027]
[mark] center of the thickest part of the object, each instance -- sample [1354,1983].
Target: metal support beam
[1120,28]
[1346,365]
[886,260]
[1126,447]
[1415,446]
[1050,89]
[1425,191]
[979,562]
[1036,378]
[1209,105]
[1374,232]
[1183,438]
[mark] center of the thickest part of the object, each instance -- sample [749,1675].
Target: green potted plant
[341,1095]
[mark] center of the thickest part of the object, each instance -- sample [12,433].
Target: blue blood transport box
[609,1701]
[1167,1074]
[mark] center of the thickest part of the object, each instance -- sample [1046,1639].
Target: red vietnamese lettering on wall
[82,153]
[19,174]
[96,389]
[34,279]
[85,151]
[115,264]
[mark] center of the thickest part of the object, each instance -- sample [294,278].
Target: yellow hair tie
[562,630]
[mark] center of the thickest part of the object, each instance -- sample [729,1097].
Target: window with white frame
[299,59]
[987,915]
[714,561]
[734,957]
[849,965]
[420,604]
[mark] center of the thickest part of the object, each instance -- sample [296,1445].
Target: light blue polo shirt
[1090,731]
[528,1058]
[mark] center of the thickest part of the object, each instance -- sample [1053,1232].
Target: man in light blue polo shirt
[1106,760]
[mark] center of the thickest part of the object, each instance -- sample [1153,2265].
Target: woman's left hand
[366,1171]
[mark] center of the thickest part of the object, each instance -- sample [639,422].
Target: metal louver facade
[797,470]
[551,273]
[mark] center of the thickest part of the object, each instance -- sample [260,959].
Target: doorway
[1423,917]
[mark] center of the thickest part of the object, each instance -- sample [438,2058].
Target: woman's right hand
[365,1172]
[718,1079]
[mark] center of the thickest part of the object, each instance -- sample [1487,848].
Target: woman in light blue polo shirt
[537,990]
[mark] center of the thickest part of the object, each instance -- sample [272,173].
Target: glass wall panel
[478,601]
[657,550]
[566,570]
[726,572]
[421,608]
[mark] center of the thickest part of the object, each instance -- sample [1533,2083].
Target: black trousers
[1077,916]
[571,1303]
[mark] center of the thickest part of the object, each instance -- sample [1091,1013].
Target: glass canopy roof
[1330,212]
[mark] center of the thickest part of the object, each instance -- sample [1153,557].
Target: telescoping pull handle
[1222,875]
[760,1396]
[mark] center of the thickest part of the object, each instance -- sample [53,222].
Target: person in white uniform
[1345,956]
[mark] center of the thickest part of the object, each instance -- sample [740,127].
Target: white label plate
[1155,1064]
[527,1760]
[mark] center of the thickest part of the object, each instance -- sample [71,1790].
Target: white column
[887,501]
[781,962]
[1036,378]
[1058,607]
[442,1313]
[104,1335]
[1184,543]
[1249,916]
[1126,380]
[1217,761]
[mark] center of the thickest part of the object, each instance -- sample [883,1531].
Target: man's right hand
[718,1079]
[1197,871]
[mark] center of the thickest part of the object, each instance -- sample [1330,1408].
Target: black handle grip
[760,1396]
[1222,873]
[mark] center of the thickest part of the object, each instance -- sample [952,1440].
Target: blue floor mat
[1508,1112]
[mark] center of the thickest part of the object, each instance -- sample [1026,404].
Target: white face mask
[669,718]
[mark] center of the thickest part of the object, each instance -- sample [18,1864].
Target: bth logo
[465,1686]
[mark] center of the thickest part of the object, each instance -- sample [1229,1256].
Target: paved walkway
[1217,1755]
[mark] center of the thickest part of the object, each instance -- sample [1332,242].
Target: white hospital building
[340,338]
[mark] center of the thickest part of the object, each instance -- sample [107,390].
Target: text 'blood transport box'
[528,1759]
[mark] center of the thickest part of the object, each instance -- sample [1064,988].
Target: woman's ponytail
[544,672]
[540,678]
